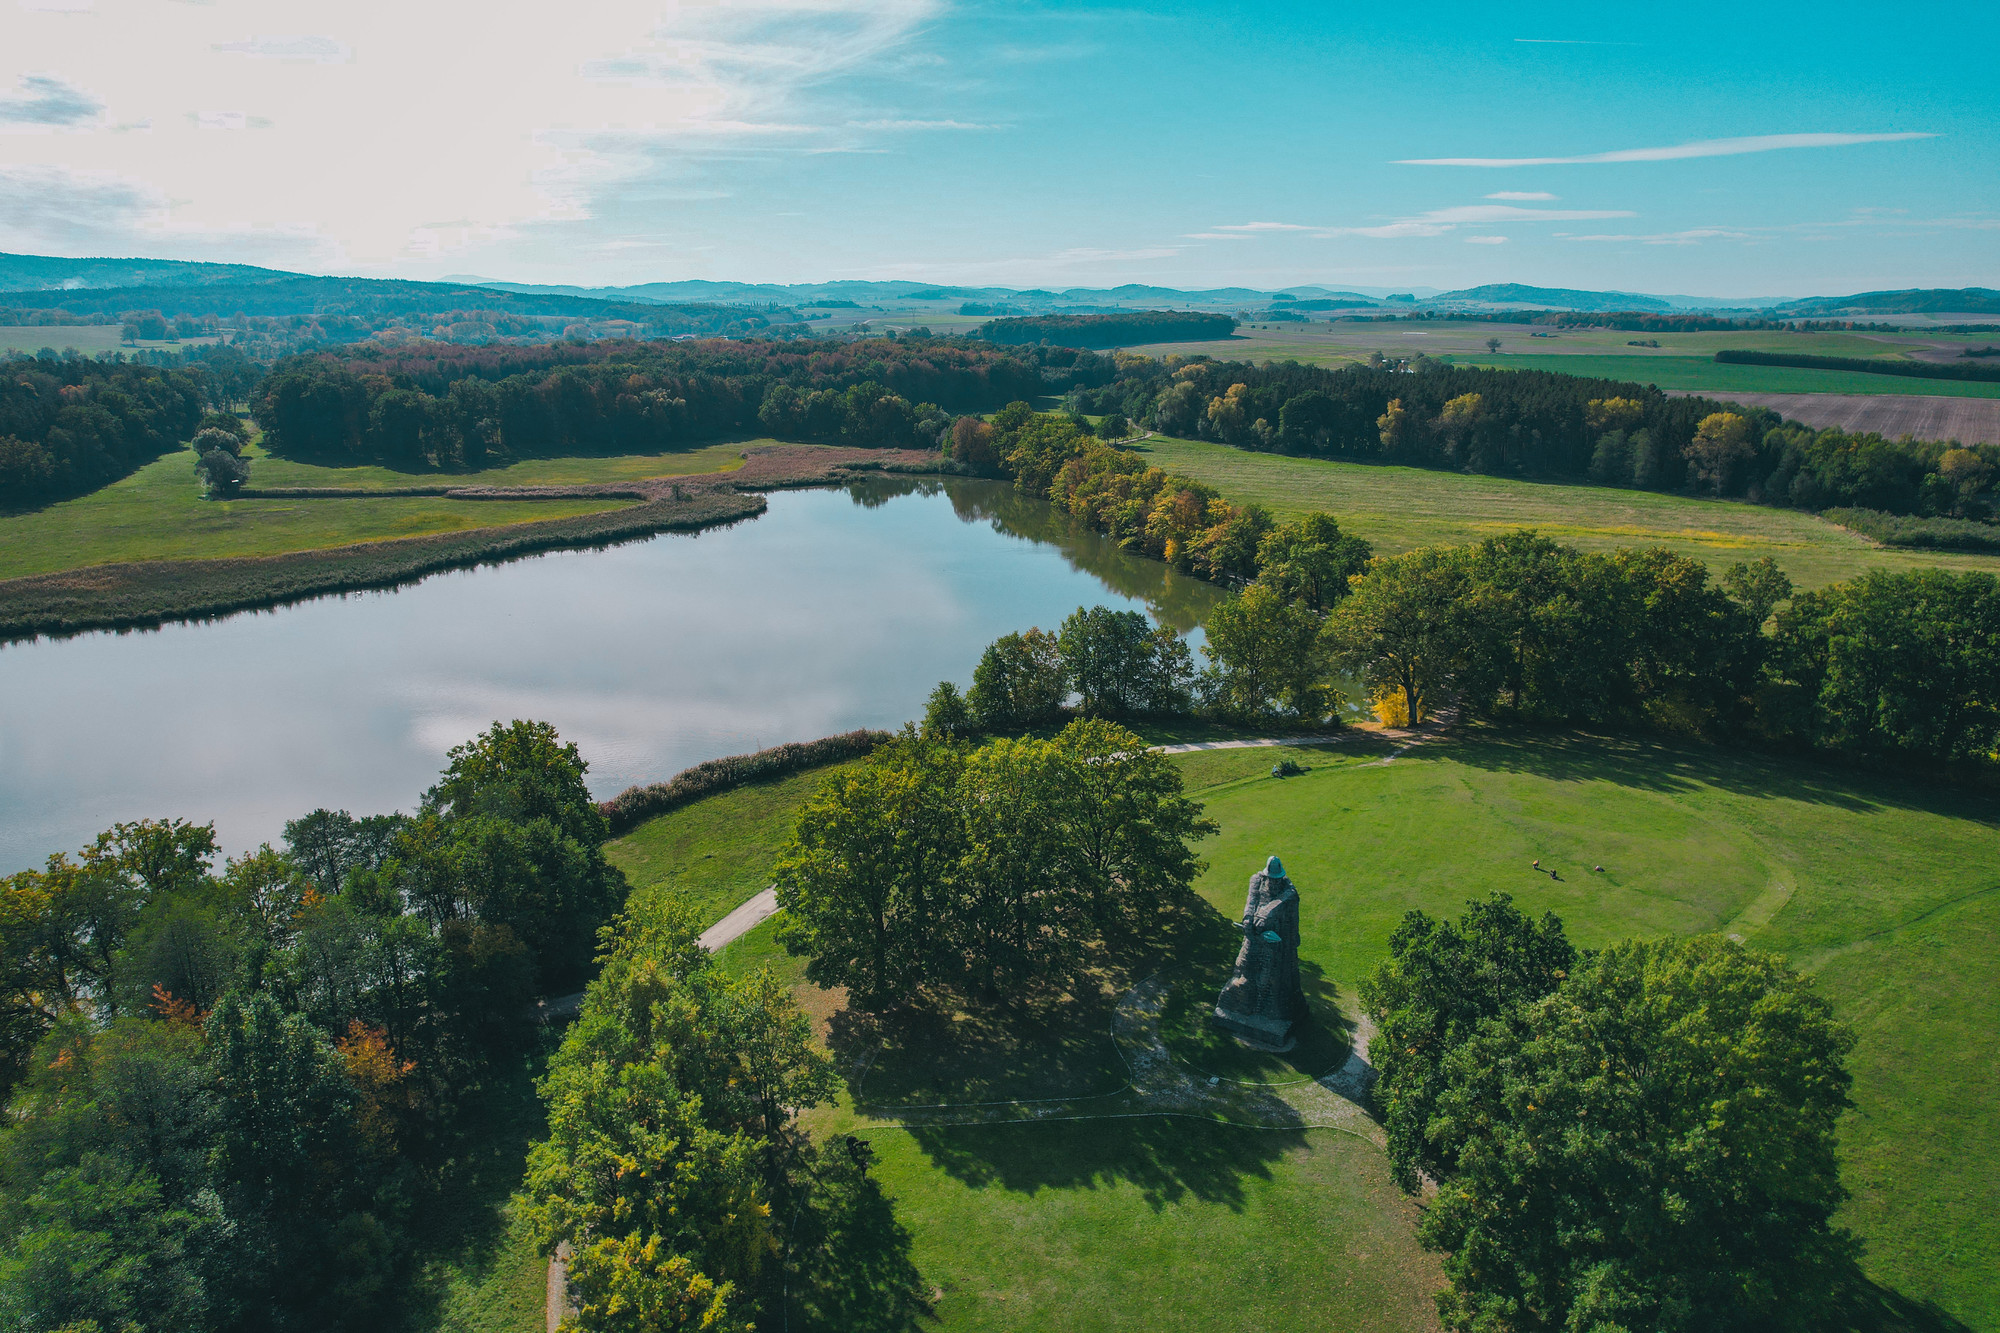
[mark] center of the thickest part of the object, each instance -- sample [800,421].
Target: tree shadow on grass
[1666,764]
[1166,1158]
[847,1260]
[946,1047]
[1866,1307]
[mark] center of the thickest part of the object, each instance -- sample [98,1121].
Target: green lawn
[1885,889]
[158,512]
[1397,508]
[1719,381]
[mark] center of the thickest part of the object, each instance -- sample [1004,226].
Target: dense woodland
[1112,330]
[69,425]
[461,407]
[1539,423]
[240,1094]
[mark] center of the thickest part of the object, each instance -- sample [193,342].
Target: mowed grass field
[158,513]
[1885,889]
[1397,508]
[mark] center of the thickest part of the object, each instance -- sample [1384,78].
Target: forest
[1119,330]
[1426,413]
[462,407]
[69,425]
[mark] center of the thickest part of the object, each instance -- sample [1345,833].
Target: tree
[1108,660]
[1650,1145]
[222,474]
[1124,826]
[946,716]
[1018,682]
[1310,560]
[972,445]
[864,877]
[1405,625]
[1493,344]
[1758,587]
[1720,443]
[1443,979]
[1265,657]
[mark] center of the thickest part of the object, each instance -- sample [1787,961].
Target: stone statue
[1262,1000]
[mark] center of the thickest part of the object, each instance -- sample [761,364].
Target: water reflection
[831,611]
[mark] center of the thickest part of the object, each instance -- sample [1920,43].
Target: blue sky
[1726,150]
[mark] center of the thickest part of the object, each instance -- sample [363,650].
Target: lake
[836,609]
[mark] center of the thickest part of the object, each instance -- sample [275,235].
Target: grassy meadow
[1882,888]
[1397,508]
[1681,361]
[158,513]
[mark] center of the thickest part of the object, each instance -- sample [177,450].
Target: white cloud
[1757,143]
[47,102]
[1440,221]
[1521,194]
[1486,240]
[1264,226]
[414,133]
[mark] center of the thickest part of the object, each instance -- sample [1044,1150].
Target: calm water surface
[834,610]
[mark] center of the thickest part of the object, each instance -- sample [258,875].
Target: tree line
[1118,330]
[1540,423]
[69,425]
[1641,1136]
[238,1097]
[463,407]
[1870,365]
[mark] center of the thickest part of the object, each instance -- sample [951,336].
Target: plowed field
[1892,414]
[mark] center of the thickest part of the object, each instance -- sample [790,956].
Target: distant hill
[366,298]
[1553,298]
[1911,301]
[34,273]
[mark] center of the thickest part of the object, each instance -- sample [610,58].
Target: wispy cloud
[1756,143]
[1569,41]
[918,125]
[1522,194]
[1263,226]
[319,50]
[49,102]
[1486,240]
[1691,236]
[1436,222]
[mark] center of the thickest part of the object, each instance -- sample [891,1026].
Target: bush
[1942,534]
[636,804]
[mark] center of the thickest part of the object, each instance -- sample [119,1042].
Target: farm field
[1681,361]
[90,339]
[1891,415]
[1880,887]
[1398,508]
[158,512]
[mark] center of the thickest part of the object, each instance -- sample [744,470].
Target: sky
[1715,150]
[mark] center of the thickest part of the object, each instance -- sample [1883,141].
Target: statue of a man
[1262,1000]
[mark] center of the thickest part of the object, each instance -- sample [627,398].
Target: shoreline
[151,593]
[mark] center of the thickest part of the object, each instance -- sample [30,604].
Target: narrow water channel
[836,609]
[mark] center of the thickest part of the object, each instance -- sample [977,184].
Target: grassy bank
[148,593]
[1397,508]
[1719,380]
[1880,887]
[158,512]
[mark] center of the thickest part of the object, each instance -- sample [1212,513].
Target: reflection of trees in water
[1177,600]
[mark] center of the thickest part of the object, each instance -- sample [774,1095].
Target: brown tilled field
[1892,414]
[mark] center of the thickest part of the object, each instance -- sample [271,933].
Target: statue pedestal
[1258,1033]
